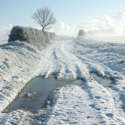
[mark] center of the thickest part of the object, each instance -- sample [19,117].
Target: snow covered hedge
[81,33]
[30,35]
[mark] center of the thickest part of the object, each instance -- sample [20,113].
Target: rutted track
[79,59]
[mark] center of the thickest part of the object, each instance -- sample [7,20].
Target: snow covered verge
[99,100]
[19,63]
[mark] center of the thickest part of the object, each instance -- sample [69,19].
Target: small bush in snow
[81,33]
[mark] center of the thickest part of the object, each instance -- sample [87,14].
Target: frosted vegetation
[99,99]
[35,37]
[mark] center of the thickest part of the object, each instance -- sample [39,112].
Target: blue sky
[70,11]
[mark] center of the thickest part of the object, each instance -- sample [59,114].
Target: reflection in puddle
[35,94]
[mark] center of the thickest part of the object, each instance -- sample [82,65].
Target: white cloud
[102,27]
[62,28]
[108,25]
[4,32]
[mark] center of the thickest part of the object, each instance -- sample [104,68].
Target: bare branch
[44,17]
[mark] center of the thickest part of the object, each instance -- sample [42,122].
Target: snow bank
[30,35]
[14,118]
[19,63]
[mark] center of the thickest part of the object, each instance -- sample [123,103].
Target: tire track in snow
[66,63]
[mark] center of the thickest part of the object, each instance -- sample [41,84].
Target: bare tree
[44,17]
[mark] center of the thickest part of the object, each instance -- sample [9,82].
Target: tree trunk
[43,29]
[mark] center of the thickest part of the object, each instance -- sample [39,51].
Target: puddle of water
[35,94]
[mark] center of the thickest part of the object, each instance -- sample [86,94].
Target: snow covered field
[101,67]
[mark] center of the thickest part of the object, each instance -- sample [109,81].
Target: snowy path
[94,103]
[98,64]
[84,106]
